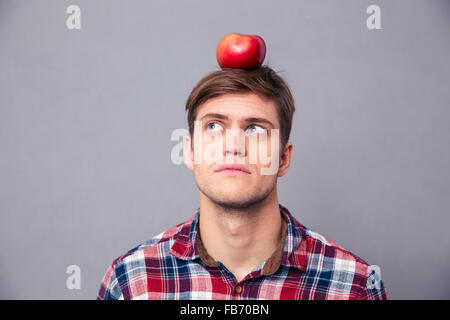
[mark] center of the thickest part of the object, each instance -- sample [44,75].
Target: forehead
[240,106]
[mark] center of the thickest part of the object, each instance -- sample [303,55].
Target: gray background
[86,118]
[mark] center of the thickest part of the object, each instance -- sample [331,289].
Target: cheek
[212,150]
[263,151]
[201,170]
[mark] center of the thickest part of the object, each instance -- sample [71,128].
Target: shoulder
[133,266]
[330,249]
[343,269]
[156,247]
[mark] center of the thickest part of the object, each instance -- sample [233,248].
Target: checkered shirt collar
[293,253]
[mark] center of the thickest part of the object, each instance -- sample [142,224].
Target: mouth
[233,170]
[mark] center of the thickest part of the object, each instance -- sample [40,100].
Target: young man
[240,243]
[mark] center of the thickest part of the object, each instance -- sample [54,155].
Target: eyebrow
[224,117]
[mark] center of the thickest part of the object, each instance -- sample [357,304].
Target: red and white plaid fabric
[175,265]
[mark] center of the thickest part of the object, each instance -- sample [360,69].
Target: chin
[233,203]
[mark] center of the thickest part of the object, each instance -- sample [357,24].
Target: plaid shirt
[306,265]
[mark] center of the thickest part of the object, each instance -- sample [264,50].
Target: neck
[241,239]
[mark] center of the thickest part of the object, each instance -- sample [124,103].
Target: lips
[235,169]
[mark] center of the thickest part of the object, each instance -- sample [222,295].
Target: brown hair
[262,81]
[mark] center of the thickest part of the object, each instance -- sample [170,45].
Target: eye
[255,129]
[213,127]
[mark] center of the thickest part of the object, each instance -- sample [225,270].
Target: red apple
[240,51]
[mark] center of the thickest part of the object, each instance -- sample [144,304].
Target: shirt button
[238,289]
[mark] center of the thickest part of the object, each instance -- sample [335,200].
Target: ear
[285,159]
[188,153]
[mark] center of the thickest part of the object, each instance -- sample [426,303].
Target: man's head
[252,104]
[262,81]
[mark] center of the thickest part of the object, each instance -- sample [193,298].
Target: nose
[234,143]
